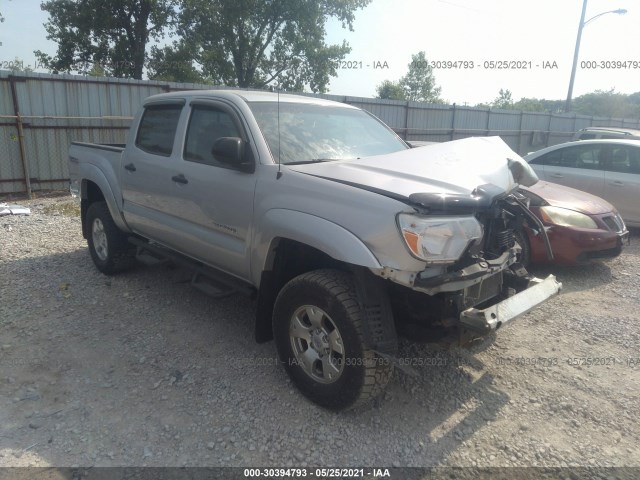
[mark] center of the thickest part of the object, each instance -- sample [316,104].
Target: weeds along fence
[41,114]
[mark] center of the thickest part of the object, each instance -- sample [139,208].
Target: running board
[208,280]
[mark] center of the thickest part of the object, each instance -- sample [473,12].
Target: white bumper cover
[492,318]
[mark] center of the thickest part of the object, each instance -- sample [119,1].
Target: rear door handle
[180,179]
[131,167]
[617,183]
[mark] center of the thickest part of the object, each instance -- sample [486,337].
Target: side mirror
[231,151]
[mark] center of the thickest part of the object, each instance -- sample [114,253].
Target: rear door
[622,182]
[576,166]
[147,170]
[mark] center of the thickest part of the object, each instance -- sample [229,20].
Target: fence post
[520,132]
[486,127]
[23,156]
[453,122]
[406,121]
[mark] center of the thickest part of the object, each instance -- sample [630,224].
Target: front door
[214,205]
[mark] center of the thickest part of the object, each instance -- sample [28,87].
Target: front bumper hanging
[489,319]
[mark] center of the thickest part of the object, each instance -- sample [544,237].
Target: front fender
[328,237]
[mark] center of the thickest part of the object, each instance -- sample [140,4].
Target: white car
[606,168]
[591,133]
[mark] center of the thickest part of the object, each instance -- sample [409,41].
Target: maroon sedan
[581,227]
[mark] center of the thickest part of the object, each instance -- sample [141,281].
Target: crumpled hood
[566,197]
[455,167]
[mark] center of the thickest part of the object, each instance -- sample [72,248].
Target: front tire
[318,330]
[110,251]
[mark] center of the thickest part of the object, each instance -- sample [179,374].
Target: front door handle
[180,179]
[617,183]
[131,167]
[557,175]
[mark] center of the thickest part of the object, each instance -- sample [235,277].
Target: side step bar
[210,281]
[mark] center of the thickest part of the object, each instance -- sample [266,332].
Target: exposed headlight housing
[566,218]
[438,239]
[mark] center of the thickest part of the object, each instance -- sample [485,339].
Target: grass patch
[69,208]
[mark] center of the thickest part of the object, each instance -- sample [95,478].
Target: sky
[386,33]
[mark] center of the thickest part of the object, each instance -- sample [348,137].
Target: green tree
[97,70]
[174,64]
[419,84]
[390,90]
[256,43]
[503,100]
[112,34]
[539,105]
[1,17]
[606,103]
[530,105]
[600,103]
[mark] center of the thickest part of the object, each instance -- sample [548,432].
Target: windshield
[313,133]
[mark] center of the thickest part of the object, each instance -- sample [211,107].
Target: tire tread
[341,286]
[121,252]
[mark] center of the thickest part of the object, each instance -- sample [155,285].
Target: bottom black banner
[233,473]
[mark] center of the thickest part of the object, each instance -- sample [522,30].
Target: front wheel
[108,245]
[318,330]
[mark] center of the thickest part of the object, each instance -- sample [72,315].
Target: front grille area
[614,223]
[483,291]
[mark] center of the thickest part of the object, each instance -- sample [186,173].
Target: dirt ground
[141,369]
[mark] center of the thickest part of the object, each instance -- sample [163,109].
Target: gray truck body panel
[230,219]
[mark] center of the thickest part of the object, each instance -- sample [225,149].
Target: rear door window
[157,129]
[587,156]
[624,160]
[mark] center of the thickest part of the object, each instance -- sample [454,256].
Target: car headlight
[438,239]
[566,218]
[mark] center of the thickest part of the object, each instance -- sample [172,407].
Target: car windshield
[316,133]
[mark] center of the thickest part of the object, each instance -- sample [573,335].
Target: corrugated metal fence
[41,114]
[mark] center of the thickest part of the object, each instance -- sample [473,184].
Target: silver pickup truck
[345,235]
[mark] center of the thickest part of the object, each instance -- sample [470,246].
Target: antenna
[279,174]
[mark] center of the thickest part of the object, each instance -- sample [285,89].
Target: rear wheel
[108,245]
[318,329]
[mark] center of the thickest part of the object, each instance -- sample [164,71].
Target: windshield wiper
[313,160]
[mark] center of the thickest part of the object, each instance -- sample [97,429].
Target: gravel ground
[141,369]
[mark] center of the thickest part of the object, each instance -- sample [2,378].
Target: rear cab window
[157,129]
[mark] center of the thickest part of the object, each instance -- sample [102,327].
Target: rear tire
[110,251]
[318,330]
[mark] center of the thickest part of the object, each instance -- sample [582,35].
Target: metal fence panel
[429,122]
[10,166]
[58,109]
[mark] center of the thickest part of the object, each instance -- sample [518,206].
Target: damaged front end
[485,286]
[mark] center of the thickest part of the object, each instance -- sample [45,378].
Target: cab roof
[245,95]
